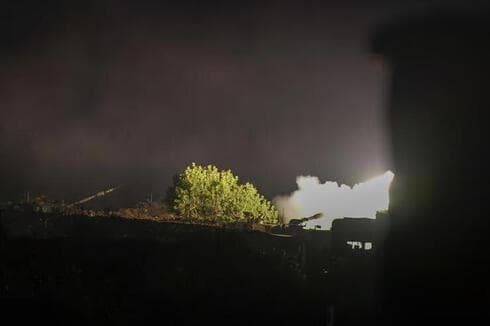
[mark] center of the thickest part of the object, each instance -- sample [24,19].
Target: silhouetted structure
[437,253]
[351,236]
[355,273]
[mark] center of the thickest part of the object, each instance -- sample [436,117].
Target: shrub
[210,195]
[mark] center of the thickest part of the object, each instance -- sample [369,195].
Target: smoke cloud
[334,201]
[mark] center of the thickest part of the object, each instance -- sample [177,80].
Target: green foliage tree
[209,195]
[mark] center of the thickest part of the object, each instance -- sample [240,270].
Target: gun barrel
[313,217]
[297,222]
[97,195]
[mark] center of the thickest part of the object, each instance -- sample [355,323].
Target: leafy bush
[207,194]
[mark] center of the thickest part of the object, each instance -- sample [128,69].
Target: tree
[207,194]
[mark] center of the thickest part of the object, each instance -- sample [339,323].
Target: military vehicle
[294,226]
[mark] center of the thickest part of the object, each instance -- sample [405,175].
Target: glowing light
[334,201]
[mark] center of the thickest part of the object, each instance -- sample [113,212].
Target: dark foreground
[81,270]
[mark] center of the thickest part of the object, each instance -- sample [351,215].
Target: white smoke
[334,201]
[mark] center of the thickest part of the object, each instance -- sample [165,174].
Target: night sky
[101,93]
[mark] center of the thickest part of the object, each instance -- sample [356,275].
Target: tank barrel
[297,222]
[313,217]
[97,195]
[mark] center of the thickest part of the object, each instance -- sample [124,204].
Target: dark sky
[100,93]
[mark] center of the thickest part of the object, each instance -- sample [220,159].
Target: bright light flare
[334,201]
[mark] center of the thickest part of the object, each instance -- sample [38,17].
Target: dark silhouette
[437,253]
[77,269]
[114,270]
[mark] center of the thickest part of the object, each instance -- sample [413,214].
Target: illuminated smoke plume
[334,201]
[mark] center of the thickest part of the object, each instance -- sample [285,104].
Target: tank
[294,226]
